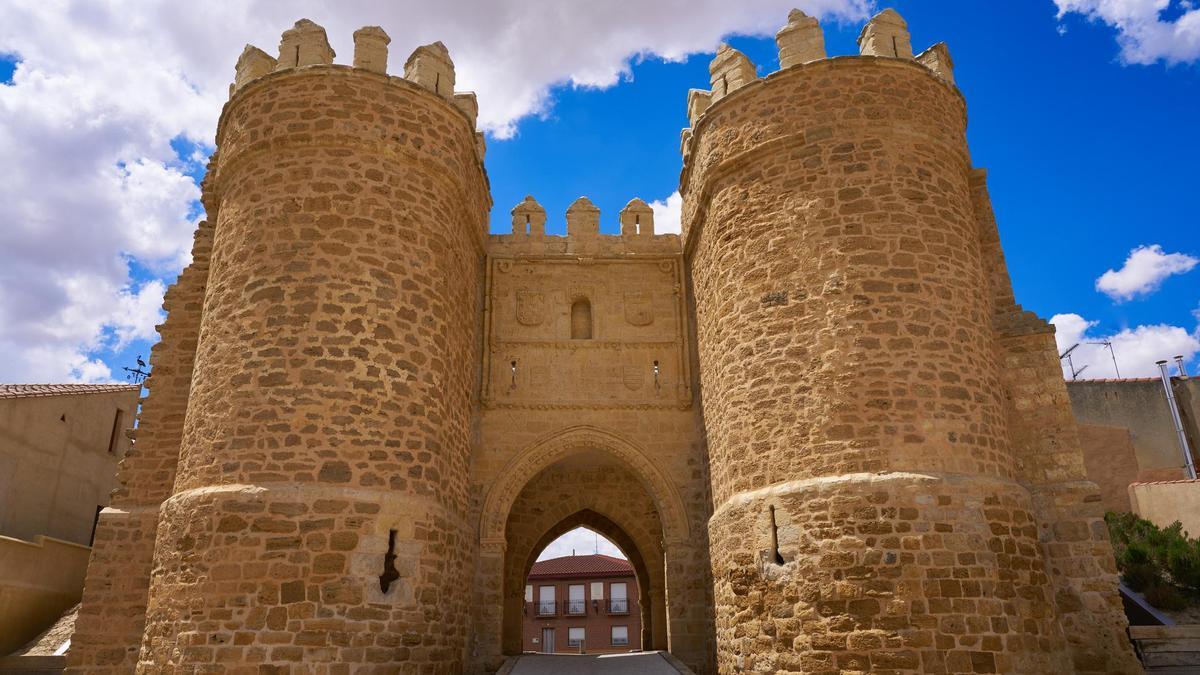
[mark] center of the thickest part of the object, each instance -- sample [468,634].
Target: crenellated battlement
[802,42]
[583,236]
[306,44]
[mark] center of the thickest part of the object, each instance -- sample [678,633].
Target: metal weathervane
[139,374]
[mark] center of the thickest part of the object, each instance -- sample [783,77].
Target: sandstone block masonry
[817,421]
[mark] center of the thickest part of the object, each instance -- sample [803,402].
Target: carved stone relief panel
[569,332]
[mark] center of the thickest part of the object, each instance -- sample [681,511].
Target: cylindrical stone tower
[318,517]
[867,512]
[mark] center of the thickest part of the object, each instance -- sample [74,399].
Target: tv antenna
[1108,345]
[1071,364]
[136,375]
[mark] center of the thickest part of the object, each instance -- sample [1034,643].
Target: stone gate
[817,422]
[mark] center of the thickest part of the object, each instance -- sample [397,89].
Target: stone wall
[1111,462]
[111,622]
[1068,511]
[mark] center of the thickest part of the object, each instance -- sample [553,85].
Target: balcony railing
[576,607]
[620,642]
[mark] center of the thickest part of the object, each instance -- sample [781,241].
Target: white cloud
[1147,30]
[94,314]
[1143,272]
[91,181]
[1137,349]
[580,541]
[138,314]
[667,214]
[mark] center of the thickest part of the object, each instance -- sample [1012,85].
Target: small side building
[1130,446]
[582,604]
[60,445]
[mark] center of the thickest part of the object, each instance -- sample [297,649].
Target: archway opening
[582,594]
[594,596]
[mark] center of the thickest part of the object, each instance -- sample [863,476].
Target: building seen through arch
[582,604]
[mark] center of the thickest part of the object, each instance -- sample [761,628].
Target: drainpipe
[1183,443]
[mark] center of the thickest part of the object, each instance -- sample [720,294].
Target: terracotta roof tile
[1105,380]
[31,390]
[581,566]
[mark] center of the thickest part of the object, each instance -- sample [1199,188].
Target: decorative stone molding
[570,441]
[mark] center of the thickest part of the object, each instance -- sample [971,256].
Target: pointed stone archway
[577,476]
[647,568]
[568,442]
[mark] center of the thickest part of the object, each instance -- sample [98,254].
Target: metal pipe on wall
[1183,442]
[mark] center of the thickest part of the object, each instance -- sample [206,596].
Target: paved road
[649,663]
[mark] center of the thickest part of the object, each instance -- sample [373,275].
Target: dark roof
[577,566]
[32,390]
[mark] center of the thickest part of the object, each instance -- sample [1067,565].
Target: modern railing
[618,606]
[546,608]
[576,607]
[620,642]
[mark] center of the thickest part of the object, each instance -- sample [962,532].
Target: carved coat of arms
[531,308]
[633,377]
[638,310]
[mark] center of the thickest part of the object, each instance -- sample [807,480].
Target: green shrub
[1162,564]
[1165,596]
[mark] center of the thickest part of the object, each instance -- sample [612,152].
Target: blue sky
[1088,158]
[1090,153]
[8,63]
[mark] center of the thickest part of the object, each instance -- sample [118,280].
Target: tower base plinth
[891,571]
